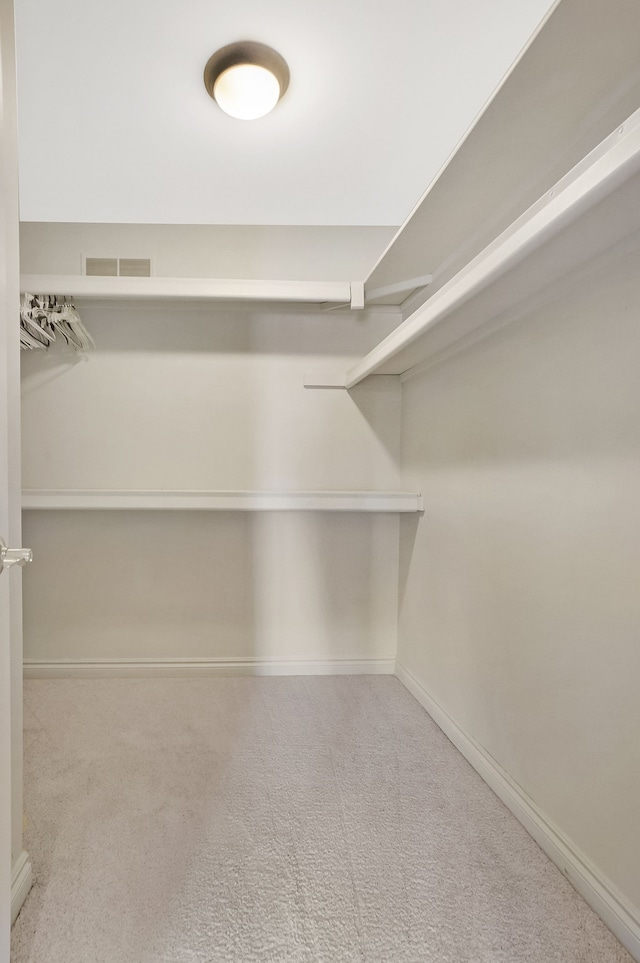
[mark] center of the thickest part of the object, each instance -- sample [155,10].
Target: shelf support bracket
[357,295]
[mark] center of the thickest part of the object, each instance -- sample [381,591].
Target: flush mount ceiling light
[246,79]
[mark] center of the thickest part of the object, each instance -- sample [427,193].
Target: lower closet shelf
[233,501]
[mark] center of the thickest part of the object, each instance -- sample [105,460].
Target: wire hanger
[44,316]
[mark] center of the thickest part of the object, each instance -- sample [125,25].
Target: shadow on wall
[324,586]
[212,586]
[138,585]
[378,399]
[408,533]
[549,387]
[166,326]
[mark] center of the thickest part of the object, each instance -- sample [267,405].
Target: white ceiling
[116,126]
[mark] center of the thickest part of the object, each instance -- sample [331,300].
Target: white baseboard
[617,913]
[21,880]
[193,668]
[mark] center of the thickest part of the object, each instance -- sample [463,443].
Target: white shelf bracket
[401,287]
[357,295]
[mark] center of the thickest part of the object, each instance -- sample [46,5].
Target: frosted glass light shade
[246,91]
[246,79]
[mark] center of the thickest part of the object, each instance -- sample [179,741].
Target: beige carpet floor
[277,819]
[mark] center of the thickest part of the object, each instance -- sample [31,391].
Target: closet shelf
[233,501]
[600,174]
[204,289]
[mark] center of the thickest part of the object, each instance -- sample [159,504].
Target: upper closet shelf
[605,172]
[223,289]
[234,501]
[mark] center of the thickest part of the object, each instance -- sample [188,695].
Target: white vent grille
[134,267]
[101,267]
[113,267]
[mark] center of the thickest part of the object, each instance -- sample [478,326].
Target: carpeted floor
[275,819]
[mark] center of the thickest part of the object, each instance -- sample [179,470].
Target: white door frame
[15,872]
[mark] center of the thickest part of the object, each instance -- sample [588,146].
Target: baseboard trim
[193,668]
[21,882]
[616,912]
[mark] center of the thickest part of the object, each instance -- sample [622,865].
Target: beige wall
[208,250]
[519,590]
[201,398]
[211,585]
[213,399]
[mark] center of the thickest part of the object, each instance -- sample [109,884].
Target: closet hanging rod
[350,293]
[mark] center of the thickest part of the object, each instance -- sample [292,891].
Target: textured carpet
[275,819]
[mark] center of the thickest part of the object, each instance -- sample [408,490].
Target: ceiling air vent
[113,267]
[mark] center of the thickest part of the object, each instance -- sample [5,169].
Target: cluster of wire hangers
[47,318]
